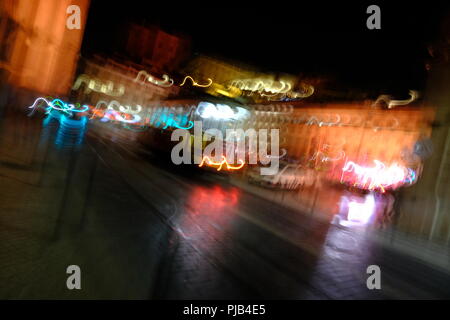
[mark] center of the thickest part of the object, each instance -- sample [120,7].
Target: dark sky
[309,37]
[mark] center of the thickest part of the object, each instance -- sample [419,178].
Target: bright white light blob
[208,110]
[361,212]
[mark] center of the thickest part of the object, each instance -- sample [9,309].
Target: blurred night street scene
[224,150]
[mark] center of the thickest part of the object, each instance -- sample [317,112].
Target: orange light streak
[220,164]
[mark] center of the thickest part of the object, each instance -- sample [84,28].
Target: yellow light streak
[195,84]
[220,164]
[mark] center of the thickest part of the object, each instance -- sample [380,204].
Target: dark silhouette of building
[151,46]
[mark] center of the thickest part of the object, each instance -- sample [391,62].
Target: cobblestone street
[141,230]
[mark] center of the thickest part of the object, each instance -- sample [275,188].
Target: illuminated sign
[106,87]
[206,160]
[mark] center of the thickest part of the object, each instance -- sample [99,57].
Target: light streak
[35,104]
[162,117]
[59,105]
[195,84]
[325,151]
[325,158]
[82,78]
[253,152]
[112,113]
[220,164]
[171,123]
[128,109]
[261,85]
[287,180]
[392,103]
[229,91]
[313,120]
[117,116]
[97,110]
[167,82]
[208,110]
[281,90]
[70,131]
[296,95]
[270,109]
[285,87]
[98,86]
[378,177]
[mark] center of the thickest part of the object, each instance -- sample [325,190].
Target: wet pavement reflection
[141,229]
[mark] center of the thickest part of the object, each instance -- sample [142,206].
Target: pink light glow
[361,212]
[378,177]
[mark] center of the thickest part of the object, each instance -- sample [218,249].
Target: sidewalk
[323,205]
[432,253]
